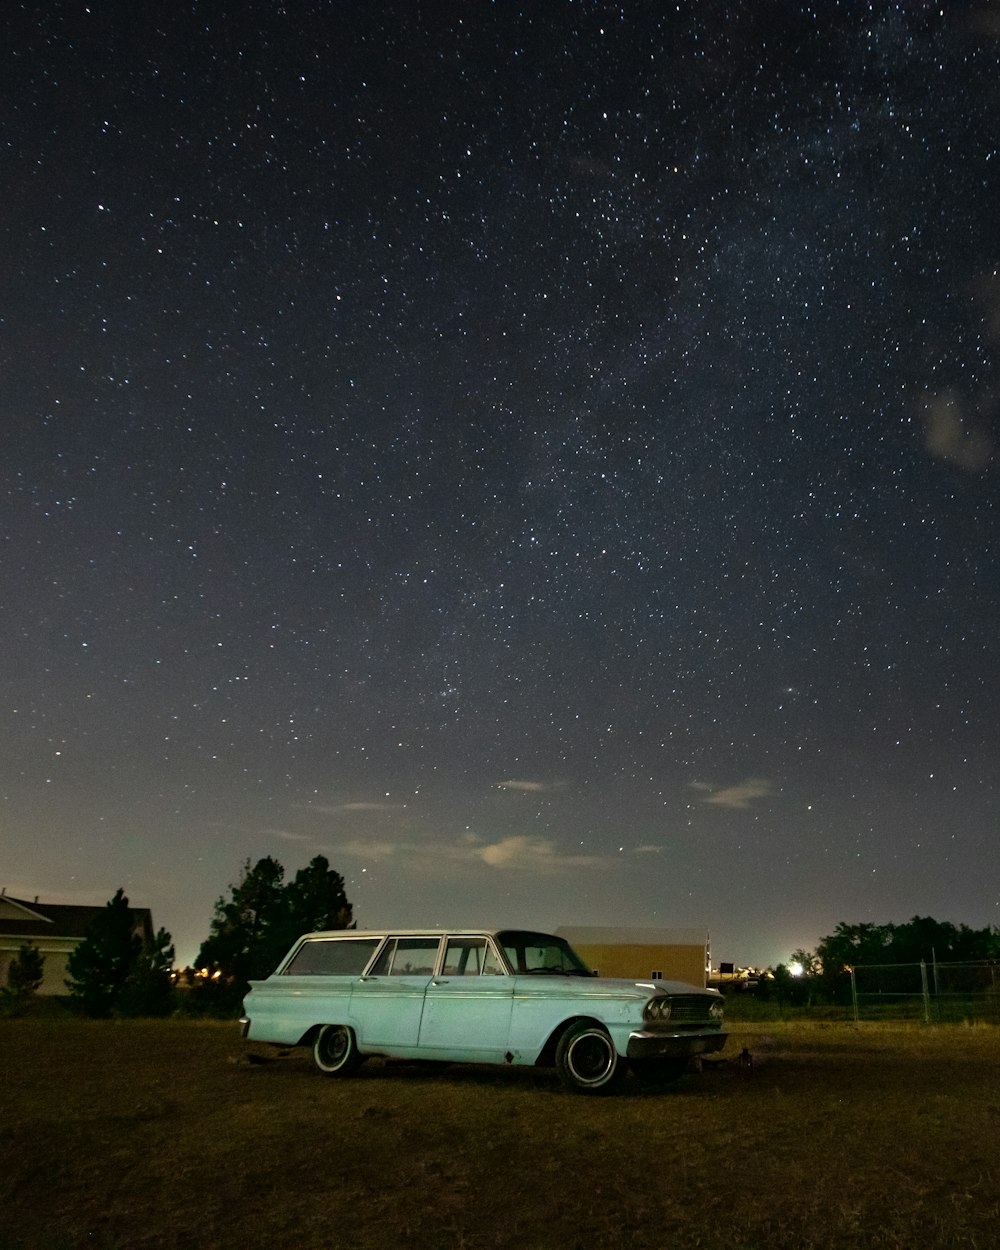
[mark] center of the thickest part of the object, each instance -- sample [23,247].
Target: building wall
[639,962]
[56,930]
[56,952]
[636,953]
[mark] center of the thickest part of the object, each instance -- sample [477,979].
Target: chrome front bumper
[648,1045]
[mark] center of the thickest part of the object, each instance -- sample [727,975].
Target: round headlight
[716,1010]
[658,1009]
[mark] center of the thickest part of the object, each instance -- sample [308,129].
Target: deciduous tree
[893,945]
[851,944]
[808,963]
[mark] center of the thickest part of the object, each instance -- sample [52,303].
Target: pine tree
[24,976]
[148,989]
[316,900]
[248,929]
[100,966]
[255,927]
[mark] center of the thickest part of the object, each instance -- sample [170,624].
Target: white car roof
[456,931]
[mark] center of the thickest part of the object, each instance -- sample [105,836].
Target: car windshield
[540,953]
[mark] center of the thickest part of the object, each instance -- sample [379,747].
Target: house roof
[19,918]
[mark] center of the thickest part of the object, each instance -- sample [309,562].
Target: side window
[331,958]
[414,957]
[380,967]
[470,957]
[406,957]
[491,964]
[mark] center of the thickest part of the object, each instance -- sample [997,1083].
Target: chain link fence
[937,993]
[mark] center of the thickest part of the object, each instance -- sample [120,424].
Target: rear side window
[407,957]
[331,958]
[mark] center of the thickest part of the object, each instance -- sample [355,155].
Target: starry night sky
[542,457]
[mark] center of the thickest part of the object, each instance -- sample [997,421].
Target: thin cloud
[534,854]
[356,848]
[739,797]
[379,849]
[528,787]
[373,850]
[953,435]
[468,850]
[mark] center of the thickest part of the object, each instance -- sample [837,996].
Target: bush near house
[24,976]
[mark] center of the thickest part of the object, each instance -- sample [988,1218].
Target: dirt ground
[146,1135]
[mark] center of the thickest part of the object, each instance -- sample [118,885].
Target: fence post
[854,994]
[926,992]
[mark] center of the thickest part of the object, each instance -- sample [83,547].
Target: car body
[495,996]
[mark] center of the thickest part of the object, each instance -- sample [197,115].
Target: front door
[467,1007]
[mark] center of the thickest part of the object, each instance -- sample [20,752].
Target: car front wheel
[587,1061]
[335,1050]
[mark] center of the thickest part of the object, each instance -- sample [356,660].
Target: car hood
[603,987]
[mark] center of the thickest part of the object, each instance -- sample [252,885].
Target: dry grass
[159,1135]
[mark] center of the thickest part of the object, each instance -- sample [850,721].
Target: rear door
[388,1001]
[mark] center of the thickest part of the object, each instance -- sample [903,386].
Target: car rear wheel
[587,1061]
[335,1050]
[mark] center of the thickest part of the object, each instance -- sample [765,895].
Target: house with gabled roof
[56,929]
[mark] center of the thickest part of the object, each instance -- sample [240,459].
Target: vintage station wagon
[507,996]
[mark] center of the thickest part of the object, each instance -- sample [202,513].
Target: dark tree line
[256,925]
[921,939]
[117,971]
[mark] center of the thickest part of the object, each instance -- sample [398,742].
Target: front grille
[691,1009]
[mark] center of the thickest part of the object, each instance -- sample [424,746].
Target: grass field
[146,1135]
